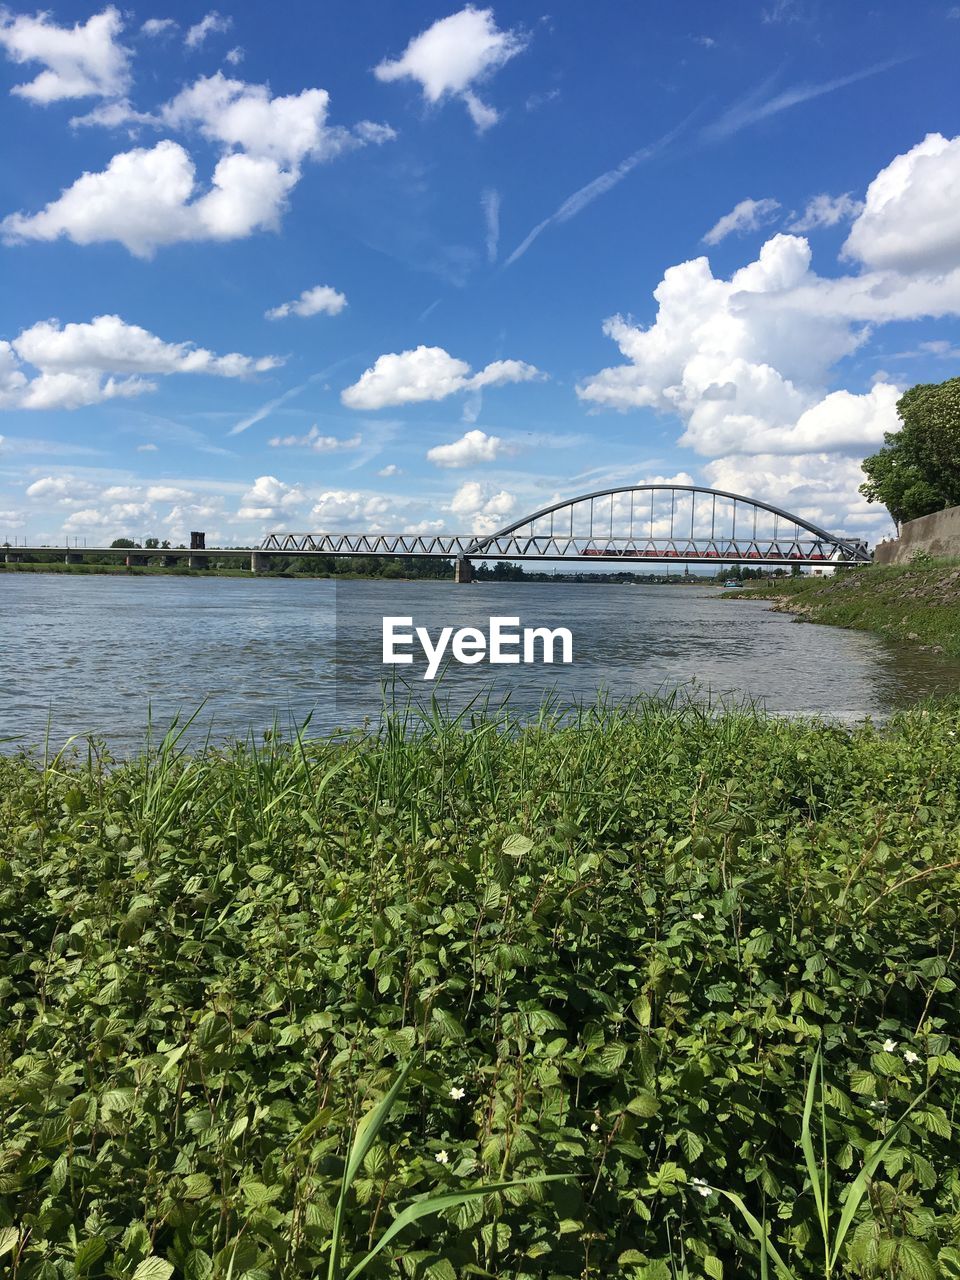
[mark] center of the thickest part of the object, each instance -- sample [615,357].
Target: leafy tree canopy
[917,471]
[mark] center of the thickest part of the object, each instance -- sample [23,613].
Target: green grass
[615,943]
[919,603]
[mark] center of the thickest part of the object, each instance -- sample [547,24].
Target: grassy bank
[614,943]
[918,603]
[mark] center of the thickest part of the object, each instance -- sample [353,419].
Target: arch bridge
[648,523]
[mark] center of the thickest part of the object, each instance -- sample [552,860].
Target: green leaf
[516,846]
[88,1254]
[436,1204]
[153,1268]
[915,1260]
[692,1144]
[858,1189]
[9,1239]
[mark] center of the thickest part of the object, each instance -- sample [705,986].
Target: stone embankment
[936,535]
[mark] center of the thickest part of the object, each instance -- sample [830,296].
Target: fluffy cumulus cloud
[82,364]
[341,510]
[269,499]
[427,373]
[453,56]
[82,61]
[741,377]
[150,196]
[746,363]
[473,447]
[486,510]
[748,215]
[320,300]
[911,217]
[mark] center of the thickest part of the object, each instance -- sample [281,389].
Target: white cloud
[820,487]
[826,211]
[390,470]
[84,364]
[284,129]
[453,55]
[150,197]
[911,218]
[79,62]
[167,493]
[476,446]
[748,365]
[210,23]
[67,490]
[486,510]
[490,203]
[321,299]
[744,377]
[319,443]
[158,26]
[748,215]
[234,56]
[146,448]
[337,508]
[146,199]
[268,499]
[428,373]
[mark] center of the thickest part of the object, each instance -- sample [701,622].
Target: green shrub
[615,940]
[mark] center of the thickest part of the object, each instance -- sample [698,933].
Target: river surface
[98,655]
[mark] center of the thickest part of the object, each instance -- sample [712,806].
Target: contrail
[755,106]
[593,190]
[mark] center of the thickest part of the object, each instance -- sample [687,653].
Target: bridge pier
[11,557]
[258,562]
[194,562]
[72,558]
[463,571]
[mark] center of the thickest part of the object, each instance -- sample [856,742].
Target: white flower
[911,1057]
[457,1094]
[697,915]
[442,1158]
[594,1128]
[889,1045]
[701,1186]
[877,1106]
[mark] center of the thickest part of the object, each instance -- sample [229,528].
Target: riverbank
[616,942]
[918,603]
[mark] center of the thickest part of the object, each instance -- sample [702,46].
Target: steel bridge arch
[855,549]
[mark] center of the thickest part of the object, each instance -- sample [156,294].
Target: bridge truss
[654,522]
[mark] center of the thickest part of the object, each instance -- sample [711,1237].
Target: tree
[151,544]
[123,544]
[917,471]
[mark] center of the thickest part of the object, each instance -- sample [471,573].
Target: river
[97,655]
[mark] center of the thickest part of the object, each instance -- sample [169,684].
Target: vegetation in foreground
[614,946]
[918,602]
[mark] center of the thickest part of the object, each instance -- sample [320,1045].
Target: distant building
[198,541]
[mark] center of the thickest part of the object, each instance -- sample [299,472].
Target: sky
[369,266]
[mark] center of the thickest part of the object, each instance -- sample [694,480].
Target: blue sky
[404,267]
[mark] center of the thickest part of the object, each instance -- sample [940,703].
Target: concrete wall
[938,535]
